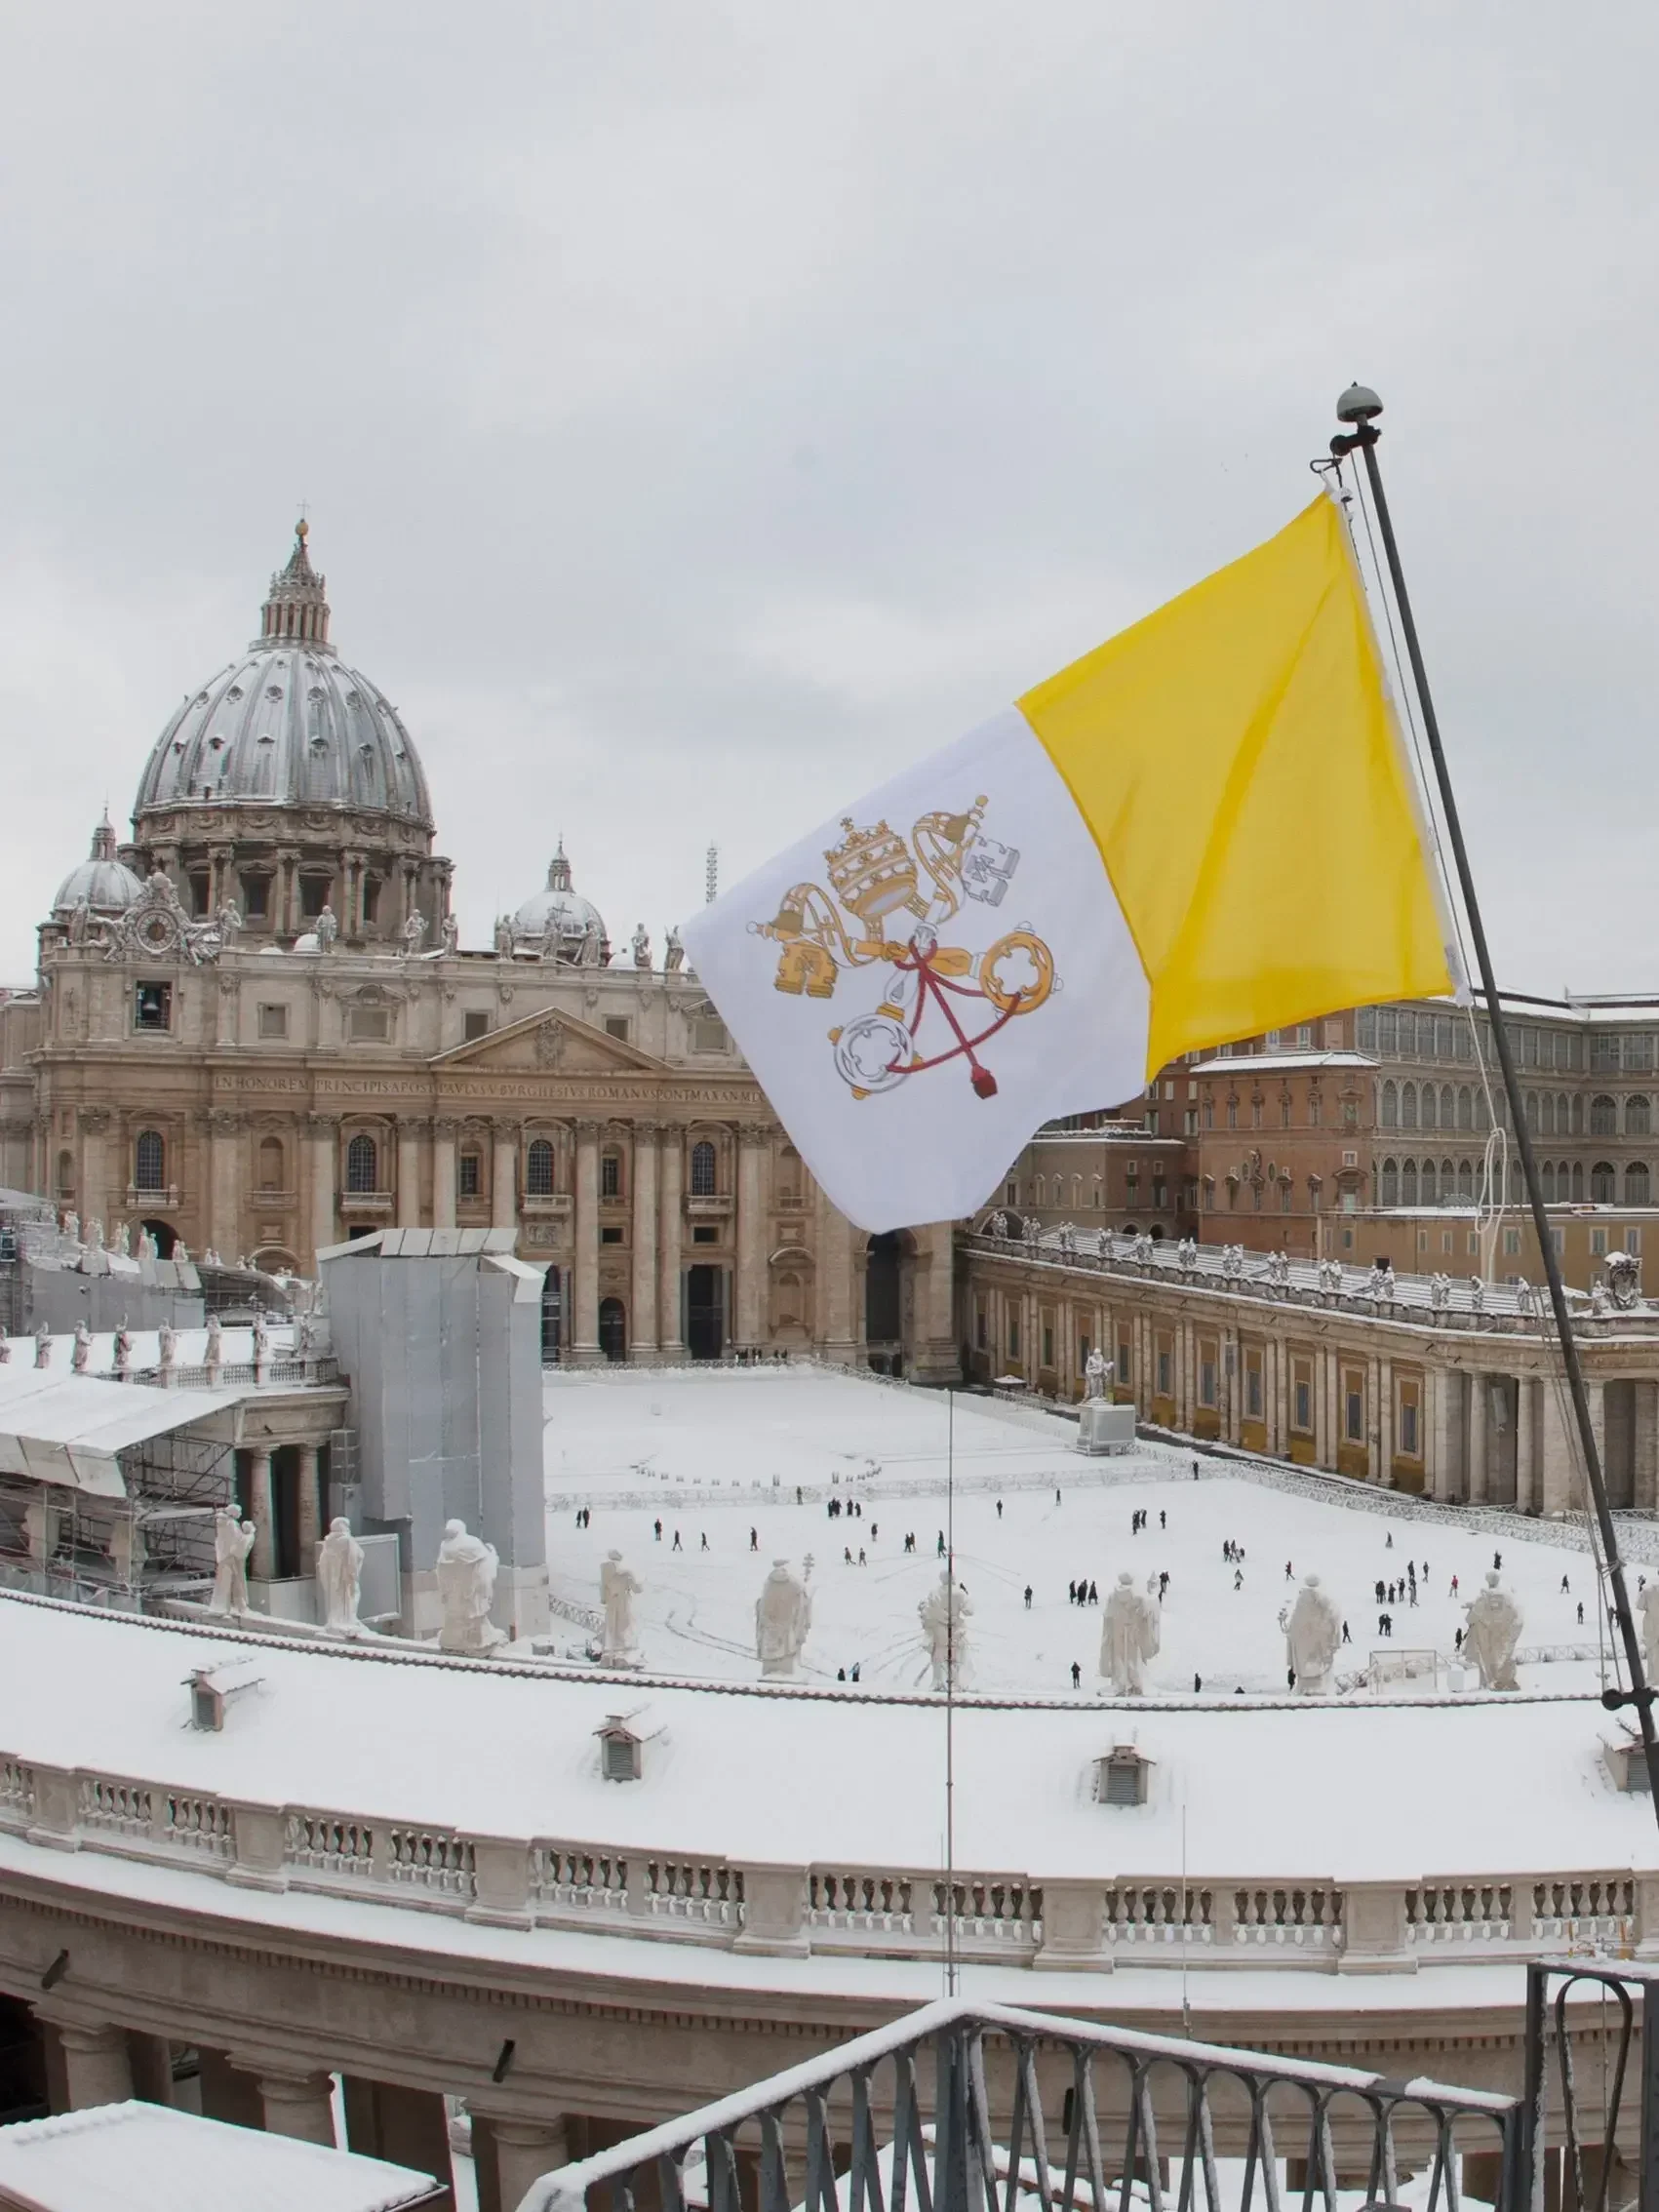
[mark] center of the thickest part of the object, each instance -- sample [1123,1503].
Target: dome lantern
[298,609]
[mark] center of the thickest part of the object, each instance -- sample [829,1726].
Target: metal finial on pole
[711,874]
[1360,406]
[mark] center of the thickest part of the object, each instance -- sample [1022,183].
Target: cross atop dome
[298,609]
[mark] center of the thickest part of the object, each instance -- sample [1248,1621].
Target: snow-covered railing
[840,1911]
[916,2111]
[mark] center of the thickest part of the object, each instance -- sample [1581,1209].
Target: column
[503,1177]
[97,2068]
[1443,1470]
[407,2127]
[310,1509]
[1559,1448]
[1646,1493]
[749,1319]
[298,2104]
[525,2151]
[92,1187]
[262,1565]
[1474,1487]
[1525,1443]
[1597,1393]
[325,1149]
[285,902]
[1273,1387]
[221,887]
[1434,1392]
[225,1227]
[584,1273]
[834,1303]
[642,1315]
[444,1172]
[671,1168]
[1385,1422]
[409,1175]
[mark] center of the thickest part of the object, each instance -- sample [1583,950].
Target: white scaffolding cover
[67,1428]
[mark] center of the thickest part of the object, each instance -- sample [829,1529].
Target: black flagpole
[1360,406]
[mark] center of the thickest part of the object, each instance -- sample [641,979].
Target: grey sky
[704,409]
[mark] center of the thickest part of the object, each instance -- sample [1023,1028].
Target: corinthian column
[642,1318]
[503,1177]
[584,1347]
[325,1145]
[444,1172]
[225,1226]
[837,1339]
[749,1320]
[671,1179]
[409,1175]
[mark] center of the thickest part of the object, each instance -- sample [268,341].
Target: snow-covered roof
[67,1428]
[139,2157]
[1281,1063]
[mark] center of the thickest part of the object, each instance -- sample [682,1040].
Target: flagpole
[1360,406]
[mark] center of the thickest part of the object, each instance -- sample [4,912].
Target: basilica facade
[255,1032]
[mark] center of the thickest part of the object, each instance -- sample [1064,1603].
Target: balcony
[367,1201]
[711,1208]
[167,1199]
[275,1201]
[543,1205]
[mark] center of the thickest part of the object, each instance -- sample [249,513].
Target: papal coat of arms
[939,1003]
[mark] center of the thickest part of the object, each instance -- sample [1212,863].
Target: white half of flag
[921,982]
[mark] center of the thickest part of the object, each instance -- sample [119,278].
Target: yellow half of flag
[1236,760]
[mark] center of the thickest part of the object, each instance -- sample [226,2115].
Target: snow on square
[715,1459]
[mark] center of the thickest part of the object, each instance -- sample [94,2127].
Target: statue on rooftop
[673,953]
[503,937]
[466,1584]
[1494,1629]
[168,1342]
[233,1540]
[618,1587]
[1097,1373]
[215,1356]
[1313,1637]
[339,1576]
[783,1615]
[448,934]
[43,1346]
[1131,1633]
[327,929]
[414,933]
[82,1353]
[641,947]
[1647,1604]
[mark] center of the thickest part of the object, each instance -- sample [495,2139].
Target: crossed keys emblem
[939,1003]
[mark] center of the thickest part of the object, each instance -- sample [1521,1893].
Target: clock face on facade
[158,933]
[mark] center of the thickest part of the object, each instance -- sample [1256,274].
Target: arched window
[149,1162]
[1466,1181]
[1448,1107]
[1577,1182]
[702,1168]
[1578,1113]
[362,1164]
[65,1174]
[1409,1183]
[271,1163]
[1547,1178]
[1547,1114]
[1040,1186]
[538,1168]
[1562,1114]
[1637,1183]
[1408,1105]
[1390,1105]
[1480,1117]
[1428,1185]
[1531,1104]
[1603,1115]
[1427,1105]
[1602,1182]
[1391,1182]
[1465,1107]
[1076,1194]
[1639,1115]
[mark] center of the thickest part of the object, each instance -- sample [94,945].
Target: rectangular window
[1255,1113]
[1284,1111]
[1632,1240]
[152,1005]
[1126,1361]
[274,1021]
[1207,1377]
[1388,1031]
[1190,1121]
[1209,1113]
[1011,1197]
[708,1035]
[1305,1037]
[1445,1239]
[314,895]
[475,1023]
[1512,1244]
[371,897]
[1603,1054]
[1252,1386]
[469,1174]
[611,1234]
[201,892]
[979,1327]
[1082,1353]
[1047,1344]
[617,1025]
[1232,1113]
[611,1175]
[1407,1430]
[704,1233]
[255,896]
[1014,1332]
[370,1025]
[1598,1243]
[1166,1370]
[1159,1194]
[1302,1396]
[1366,1030]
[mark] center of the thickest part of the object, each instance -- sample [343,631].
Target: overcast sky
[704,410]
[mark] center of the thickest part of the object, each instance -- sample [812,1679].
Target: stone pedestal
[1105,1428]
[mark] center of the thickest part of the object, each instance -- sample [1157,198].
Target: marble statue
[95,1235]
[944,1614]
[641,947]
[72,1227]
[5,1350]
[414,933]
[168,1337]
[80,918]
[1440,1293]
[305,1336]
[215,1357]
[1097,1373]
[81,1356]
[503,937]
[123,1349]
[233,1540]
[1313,1637]
[1597,1300]
[550,937]
[1103,1244]
[43,1346]
[180,1252]
[339,1576]
[1624,1279]
[618,1587]
[230,920]
[466,1583]
[673,953]
[145,1247]
[592,954]
[448,934]
[1477,1293]
[1066,1239]
[1131,1633]
[261,1338]
[1647,1605]
[1186,1255]
[783,1614]
[997,1225]
[1494,1629]
[121,1246]
[327,931]
[1279,1271]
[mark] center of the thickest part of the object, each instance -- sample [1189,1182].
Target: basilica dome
[559,924]
[288,725]
[101,882]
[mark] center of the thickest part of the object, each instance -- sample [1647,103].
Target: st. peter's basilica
[255,1032]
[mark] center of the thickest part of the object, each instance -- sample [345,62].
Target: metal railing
[1596,2118]
[1027,2109]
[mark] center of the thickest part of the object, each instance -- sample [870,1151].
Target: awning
[67,1428]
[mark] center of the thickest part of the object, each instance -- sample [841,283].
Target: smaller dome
[559,924]
[100,881]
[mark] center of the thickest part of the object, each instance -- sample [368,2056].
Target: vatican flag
[1204,829]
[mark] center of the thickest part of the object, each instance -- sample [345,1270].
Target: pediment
[551,1043]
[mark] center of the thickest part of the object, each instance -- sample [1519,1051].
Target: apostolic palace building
[255,1032]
